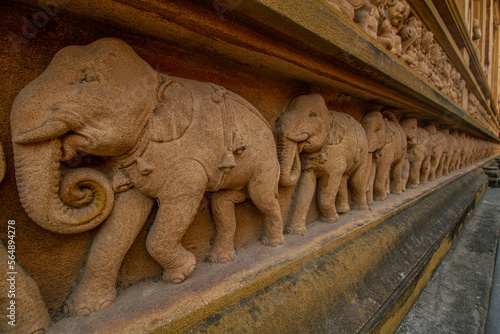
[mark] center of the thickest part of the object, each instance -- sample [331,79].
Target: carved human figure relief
[368,16]
[396,13]
[410,34]
[163,138]
[346,7]
[424,66]
[322,149]
[387,143]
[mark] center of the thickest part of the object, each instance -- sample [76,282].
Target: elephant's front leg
[342,200]
[296,222]
[96,289]
[381,178]
[371,179]
[179,203]
[357,185]
[434,161]
[328,188]
[223,211]
[396,180]
[415,166]
[425,170]
[440,167]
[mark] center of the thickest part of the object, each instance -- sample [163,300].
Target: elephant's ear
[174,113]
[391,133]
[337,130]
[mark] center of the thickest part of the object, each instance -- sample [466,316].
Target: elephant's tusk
[298,138]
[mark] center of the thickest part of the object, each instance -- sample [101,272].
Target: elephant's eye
[90,76]
[313,114]
[377,129]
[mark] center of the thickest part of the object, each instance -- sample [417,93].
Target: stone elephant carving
[453,153]
[439,149]
[387,143]
[419,149]
[333,150]
[161,137]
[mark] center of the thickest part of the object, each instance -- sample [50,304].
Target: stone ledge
[300,41]
[341,277]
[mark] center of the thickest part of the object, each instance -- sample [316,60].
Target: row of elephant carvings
[171,139]
[393,24]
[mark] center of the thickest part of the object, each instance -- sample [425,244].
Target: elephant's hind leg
[265,197]
[179,204]
[96,289]
[222,204]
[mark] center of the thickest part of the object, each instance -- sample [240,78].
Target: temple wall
[268,53]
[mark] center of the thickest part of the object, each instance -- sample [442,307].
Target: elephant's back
[400,137]
[356,141]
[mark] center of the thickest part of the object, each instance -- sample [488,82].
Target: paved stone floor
[457,299]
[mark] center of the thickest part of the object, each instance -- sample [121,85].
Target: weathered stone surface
[265,53]
[345,270]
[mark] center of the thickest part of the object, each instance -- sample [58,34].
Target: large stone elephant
[419,149]
[160,137]
[315,144]
[387,143]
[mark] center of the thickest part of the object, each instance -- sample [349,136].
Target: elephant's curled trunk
[71,202]
[288,157]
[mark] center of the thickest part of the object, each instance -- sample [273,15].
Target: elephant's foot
[273,241]
[221,255]
[296,229]
[359,207]
[87,299]
[332,218]
[380,198]
[411,184]
[343,208]
[179,274]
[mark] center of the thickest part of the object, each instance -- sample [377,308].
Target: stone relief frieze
[161,138]
[402,33]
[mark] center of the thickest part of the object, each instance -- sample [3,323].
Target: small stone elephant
[419,152]
[387,143]
[333,150]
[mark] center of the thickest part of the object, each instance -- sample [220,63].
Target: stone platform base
[361,274]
